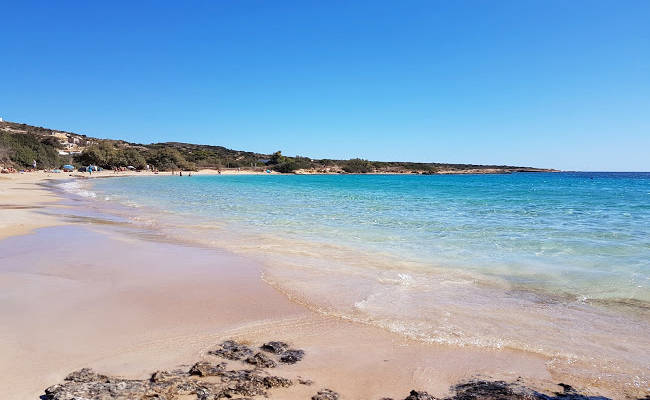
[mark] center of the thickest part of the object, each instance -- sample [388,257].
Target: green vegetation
[357,166]
[20,144]
[109,154]
[21,150]
[287,165]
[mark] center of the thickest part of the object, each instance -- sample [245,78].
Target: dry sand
[106,297]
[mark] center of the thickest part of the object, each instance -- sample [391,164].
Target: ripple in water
[556,264]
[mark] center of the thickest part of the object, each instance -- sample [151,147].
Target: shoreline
[356,360]
[24,191]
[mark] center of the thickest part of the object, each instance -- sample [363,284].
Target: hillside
[21,144]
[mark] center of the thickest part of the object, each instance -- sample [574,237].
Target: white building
[1,120]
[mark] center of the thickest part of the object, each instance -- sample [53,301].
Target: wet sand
[22,192]
[98,296]
[127,306]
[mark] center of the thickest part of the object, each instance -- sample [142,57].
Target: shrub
[22,149]
[357,166]
[168,158]
[286,167]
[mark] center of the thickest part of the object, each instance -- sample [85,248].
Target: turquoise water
[557,264]
[586,234]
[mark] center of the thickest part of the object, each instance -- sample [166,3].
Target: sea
[552,263]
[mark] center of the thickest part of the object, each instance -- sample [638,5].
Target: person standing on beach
[34,164]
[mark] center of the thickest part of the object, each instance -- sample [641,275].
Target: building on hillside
[1,120]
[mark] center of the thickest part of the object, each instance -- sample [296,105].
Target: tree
[277,158]
[167,159]
[357,165]
[23,149]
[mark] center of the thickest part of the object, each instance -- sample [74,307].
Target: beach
[83,290]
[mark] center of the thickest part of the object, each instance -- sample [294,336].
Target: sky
[548,83]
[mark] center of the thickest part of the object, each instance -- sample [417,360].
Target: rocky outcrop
[205,380]
[261,360]
[275,347]
[232,350]
[325,394]
[415,395]
[287,356]
[292,356]
[205,368]
[86,384]
[212,380]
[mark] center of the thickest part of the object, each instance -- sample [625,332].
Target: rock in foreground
[232,350]
[275,347]
[207,380]
[86,384]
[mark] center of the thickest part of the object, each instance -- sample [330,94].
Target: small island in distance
[21,144]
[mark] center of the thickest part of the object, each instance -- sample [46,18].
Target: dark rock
[292,356]
[484,390]
[238,375]
[244,382]
[276,381]
[275,347]
[164,376]
[245,388]
[85,375]
[209,381]
[185,388]
[500,390]
[204,368]
[415,395]
[207,392]
[232,350]
[86,384]
[163,385]
[325,394]
[261,360]
[171,383]
[160,376]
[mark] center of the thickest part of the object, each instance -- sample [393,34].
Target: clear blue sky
[562,84]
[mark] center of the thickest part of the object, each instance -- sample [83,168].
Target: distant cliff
[21,144]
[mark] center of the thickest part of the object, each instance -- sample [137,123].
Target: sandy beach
[116,299]
[21,193]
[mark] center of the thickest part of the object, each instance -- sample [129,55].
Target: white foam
[76,188]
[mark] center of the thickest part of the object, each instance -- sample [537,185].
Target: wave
[425,300]
[75,187]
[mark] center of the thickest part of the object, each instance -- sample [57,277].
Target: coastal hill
[21,144]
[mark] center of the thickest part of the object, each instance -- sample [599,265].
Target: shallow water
[558,264]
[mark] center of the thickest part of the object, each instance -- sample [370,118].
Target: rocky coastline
[239,371]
